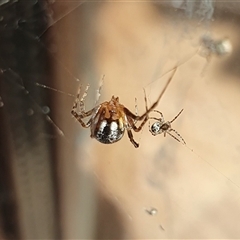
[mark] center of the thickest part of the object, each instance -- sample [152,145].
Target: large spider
[109,120]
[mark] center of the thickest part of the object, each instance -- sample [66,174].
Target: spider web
[159,175]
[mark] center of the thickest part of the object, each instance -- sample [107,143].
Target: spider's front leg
[82,114]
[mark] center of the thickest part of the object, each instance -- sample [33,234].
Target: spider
[109,120]
[165,127]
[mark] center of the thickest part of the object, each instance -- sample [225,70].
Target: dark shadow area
[109,220]
[27,180]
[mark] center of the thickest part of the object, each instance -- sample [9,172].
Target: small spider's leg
[130,135]
[159,113]
[154,118]
[157,119]
[182,140]
[176,116]
[159,98]
[149,126]
[173,136]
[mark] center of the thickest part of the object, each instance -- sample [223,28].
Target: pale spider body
[162,126]
[109,120]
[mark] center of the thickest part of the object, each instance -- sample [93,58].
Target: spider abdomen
[156,128]
[108,132]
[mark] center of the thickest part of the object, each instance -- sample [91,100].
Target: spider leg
[132,119]
[157,101]
[82,114]
[149,127]
[159,113]
[79,117]
[173,136]
[145,99]
[157,119]
[133,126]
[161,119]
[176,116]
[130,135]
[98,92]
[135,117]
[136,110]
[182,140]
[136,107]
[132,123]
[81,102]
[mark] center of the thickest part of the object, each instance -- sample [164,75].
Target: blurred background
[58,183]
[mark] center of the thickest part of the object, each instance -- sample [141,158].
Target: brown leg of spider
[132,120]
[134,127]
[136,107]
[145,99]
[80,117]
[159,98]
[130,135]
[154,118]
[176,116]
[129,113]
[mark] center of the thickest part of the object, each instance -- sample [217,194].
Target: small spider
[165,127]
[109,119]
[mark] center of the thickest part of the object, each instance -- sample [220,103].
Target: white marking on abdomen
[114,126]
[102,125]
